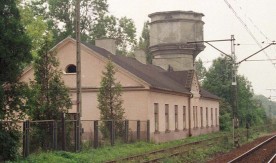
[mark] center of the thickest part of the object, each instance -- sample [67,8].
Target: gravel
[220,158]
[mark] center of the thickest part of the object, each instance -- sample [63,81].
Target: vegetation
[266,103]
[200,69]
[144,41]
[95,22]
[124,150]
[14,55]
[35,27]
[110,101]
[218,80]
[49,97]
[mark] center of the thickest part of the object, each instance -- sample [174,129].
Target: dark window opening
[71,69]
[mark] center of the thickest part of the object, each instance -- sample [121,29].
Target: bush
[225,122]
[9,144]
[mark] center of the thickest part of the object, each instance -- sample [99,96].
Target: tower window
[71,69]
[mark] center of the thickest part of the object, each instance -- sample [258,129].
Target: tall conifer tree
[50,96]
[109,98]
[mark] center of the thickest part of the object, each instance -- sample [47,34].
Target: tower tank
[169,33]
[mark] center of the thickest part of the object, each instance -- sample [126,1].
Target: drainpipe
[189,113]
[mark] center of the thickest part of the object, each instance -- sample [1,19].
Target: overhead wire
[256,27]
[248,30]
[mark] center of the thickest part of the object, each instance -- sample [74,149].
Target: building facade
[165,93]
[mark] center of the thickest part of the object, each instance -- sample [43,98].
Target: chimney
[140,55]
[107,44]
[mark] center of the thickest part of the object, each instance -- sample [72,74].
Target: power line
[248,30]
[254,25]
[259,30]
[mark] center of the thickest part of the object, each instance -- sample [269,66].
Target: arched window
[71,69]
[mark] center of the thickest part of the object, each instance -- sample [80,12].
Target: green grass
[123,150]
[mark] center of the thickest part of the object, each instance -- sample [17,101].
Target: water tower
[169,33]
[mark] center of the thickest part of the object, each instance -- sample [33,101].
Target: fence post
[148,130]
[138,129]
[63,131]
[96,134]
[77,132]
[24,139]
[112,132]
[55,135]
[26,147]
[126,130]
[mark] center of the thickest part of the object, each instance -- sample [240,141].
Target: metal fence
[44,135]
[96,133]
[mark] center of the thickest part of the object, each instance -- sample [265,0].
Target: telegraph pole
[78,60]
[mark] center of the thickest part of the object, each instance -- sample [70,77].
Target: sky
[259,16]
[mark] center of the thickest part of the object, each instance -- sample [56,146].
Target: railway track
[161,154]
[263,152]
[272,159]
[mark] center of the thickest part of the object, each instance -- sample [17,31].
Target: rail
[166,152]
[239,158]
[272,158]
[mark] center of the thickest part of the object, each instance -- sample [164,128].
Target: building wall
[92,67]
[138,98]
[162,99]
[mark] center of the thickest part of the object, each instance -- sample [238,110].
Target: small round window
[71,69]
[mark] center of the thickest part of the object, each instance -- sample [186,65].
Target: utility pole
[270,103]
[234,87]
[78,60]
[234,93]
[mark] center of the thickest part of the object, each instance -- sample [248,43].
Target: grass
[123,150]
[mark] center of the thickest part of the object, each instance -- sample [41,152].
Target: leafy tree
[35,27]
[49,95]
[200,70]
[218,80]
[144,41]
[109,99]
[14,55]
[95,22]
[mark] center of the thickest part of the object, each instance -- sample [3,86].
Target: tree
[218,80]
[14,55]
[95,22]
[49,95]
[109,99]
[144,41]
[200,70]
[35,28]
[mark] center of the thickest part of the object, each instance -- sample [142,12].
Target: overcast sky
[220,23]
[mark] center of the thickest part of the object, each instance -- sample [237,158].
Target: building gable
[195,88]
[92,65]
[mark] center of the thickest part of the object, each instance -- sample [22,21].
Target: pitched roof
[151,74]
[186,78]
[156,77]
